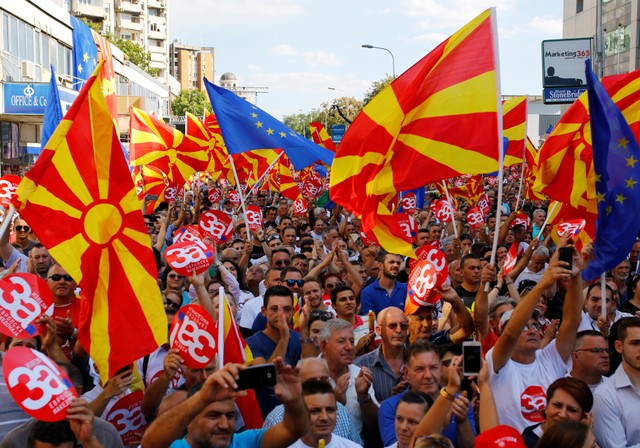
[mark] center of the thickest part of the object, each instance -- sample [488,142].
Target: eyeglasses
[58,277]
[285,262]
[23,228]
[394,325]
[324,315]
[596,350]
[333,285]
[426,318]
[174,276]
[534,326]
[446,362]
[291,283]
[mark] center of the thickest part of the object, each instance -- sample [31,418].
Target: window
[13,36]
[579,6]
[29,43]
[45,50]
[38,42]
[5,32]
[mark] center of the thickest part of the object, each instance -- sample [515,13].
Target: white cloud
[451,14]
[549,26]
[320,58]
[283,50]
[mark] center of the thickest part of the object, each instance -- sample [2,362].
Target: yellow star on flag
[600,197]
[270,131]
[598,177]
[631,161]
[620,198]
[79,68]
[283,134]
[254,115]
[85,57]
[623,142]
[609,210]
[259,124]
[630,183]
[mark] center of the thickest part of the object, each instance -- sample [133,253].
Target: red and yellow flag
[530,171]
[565,160]
[288,186]
[107,75]
[514,128]
[436,121]
[472,189]
[320,136]
[237,351]
[80,200]
[251,165]
[155,143]
[211,142]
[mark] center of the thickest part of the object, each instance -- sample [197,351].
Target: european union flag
[53,110]
[245,127]
[615,161]
[84,52]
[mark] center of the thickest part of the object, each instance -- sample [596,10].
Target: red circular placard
[126,416]
[254,217]
[23,299]
[8,186]
[37,384]
[189,256]
[193,334]
[217,225]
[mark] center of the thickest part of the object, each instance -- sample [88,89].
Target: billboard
[563,62]
[563,69]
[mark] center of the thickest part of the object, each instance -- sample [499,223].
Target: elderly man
[386,362]
[208,416]
[536,267]
[66,307]
[352,383]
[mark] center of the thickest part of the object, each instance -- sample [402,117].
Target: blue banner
[31,98]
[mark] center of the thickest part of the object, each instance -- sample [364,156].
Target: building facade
[620,21]
[190,64]
[35,35]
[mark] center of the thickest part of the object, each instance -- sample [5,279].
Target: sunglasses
[291,283]
[321,314]
[534,326]
[58,277]
[273,237]
[171,305]
[148,224]
[333,285]
[394,325]
[282,262]
[174,276]
[23,228]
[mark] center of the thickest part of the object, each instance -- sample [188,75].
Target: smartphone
[471,357]
[263,375]
[566,254]
[151,197]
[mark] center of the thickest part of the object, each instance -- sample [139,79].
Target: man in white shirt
[617,401]
[520,370]
[321,403]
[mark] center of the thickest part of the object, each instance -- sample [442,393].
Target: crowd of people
[355,366]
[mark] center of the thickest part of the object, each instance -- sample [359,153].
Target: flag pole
[603,296]
[524,155]
[244,207]
[494,30]
[222,302]
[453,215]
[523,167]
[544,224]
[7,220]
[265,173]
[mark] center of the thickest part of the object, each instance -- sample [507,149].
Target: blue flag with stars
[84,52]
[245,127]
[52,111]
[615,161]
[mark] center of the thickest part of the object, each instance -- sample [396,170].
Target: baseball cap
[507,315]
[502,436]
[524,284]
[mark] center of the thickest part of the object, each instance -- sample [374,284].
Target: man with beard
[385,291]
[312,292]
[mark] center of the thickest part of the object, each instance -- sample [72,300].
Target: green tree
[194,101]
[376,87]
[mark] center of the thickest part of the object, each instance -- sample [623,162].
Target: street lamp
[393,60]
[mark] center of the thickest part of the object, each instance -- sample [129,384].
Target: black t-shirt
[468,297]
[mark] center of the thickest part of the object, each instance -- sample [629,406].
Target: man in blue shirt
[208,415]
[385,291]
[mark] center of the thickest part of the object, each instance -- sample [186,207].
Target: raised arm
[481,309]
[463,316]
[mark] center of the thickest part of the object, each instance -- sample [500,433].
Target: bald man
[315,369]
[386,361]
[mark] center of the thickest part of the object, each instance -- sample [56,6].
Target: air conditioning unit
[77,12]
[29,70]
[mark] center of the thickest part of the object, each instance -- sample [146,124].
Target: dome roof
[228,77]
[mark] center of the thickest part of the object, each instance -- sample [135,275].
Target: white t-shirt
[522,388]
[586,323]
[250,311]
[155,368]
[353,407]
[336,442]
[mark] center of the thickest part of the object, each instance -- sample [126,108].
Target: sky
[300,48]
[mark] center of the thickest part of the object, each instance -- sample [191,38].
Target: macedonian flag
[565,160]
[514,128]
[80,200]
[438,120]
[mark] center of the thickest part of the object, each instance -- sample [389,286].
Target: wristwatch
[74,335]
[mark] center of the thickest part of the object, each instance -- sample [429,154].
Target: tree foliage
[376,87]
[194,101]
[326,114]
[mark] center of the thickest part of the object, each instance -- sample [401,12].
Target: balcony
[159,4]
[124,24]
[158,34]
[129,7]
[94,10]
